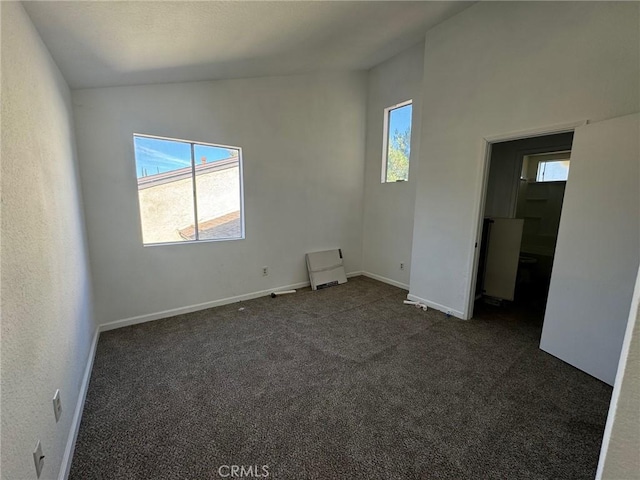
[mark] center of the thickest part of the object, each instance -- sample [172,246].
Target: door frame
[482,181]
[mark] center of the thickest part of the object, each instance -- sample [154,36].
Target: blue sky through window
[207,153]
[395,166]
[154,155]
[400,119]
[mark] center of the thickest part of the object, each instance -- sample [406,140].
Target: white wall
[496,68]
[620,457]
[303,152]
[388,207]
[598,249]
[47,324]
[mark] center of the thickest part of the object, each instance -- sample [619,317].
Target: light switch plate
[38,458]
[57,405]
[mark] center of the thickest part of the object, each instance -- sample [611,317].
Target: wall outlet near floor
[38,458]
[265,271]
[401,265]
[57,405]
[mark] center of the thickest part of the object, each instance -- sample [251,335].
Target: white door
[503,252]
[598,249]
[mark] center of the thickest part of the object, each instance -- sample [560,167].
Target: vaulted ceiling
[98,44]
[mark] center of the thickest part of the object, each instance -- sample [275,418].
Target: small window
[188,191]
[396,146]
[546,167]
[552,171]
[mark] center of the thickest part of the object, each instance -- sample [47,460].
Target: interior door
[598,249]
[503,252]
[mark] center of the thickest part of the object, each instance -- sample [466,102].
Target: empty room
[320,240]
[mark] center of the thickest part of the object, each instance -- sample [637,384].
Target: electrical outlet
[38,458]
[265,271]
[57,405]
[402,266]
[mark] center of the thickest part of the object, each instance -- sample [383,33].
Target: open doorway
[525,188]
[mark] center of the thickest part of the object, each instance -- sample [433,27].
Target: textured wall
[496,68]
[388,207]
[47,325]
[302,139]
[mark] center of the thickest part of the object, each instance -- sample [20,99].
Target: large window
[396,146]
[188,191]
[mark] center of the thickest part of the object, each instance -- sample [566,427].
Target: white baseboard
[437,306]
[382,279]
[125,322]
[65,466]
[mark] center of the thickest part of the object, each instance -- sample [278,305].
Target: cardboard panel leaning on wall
[47,324]
[302,139]
[598,249]
[497,68]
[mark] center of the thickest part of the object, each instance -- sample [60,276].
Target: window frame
[531,165]
[194,190]
[385,139]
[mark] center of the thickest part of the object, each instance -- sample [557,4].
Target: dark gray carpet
[342,383]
